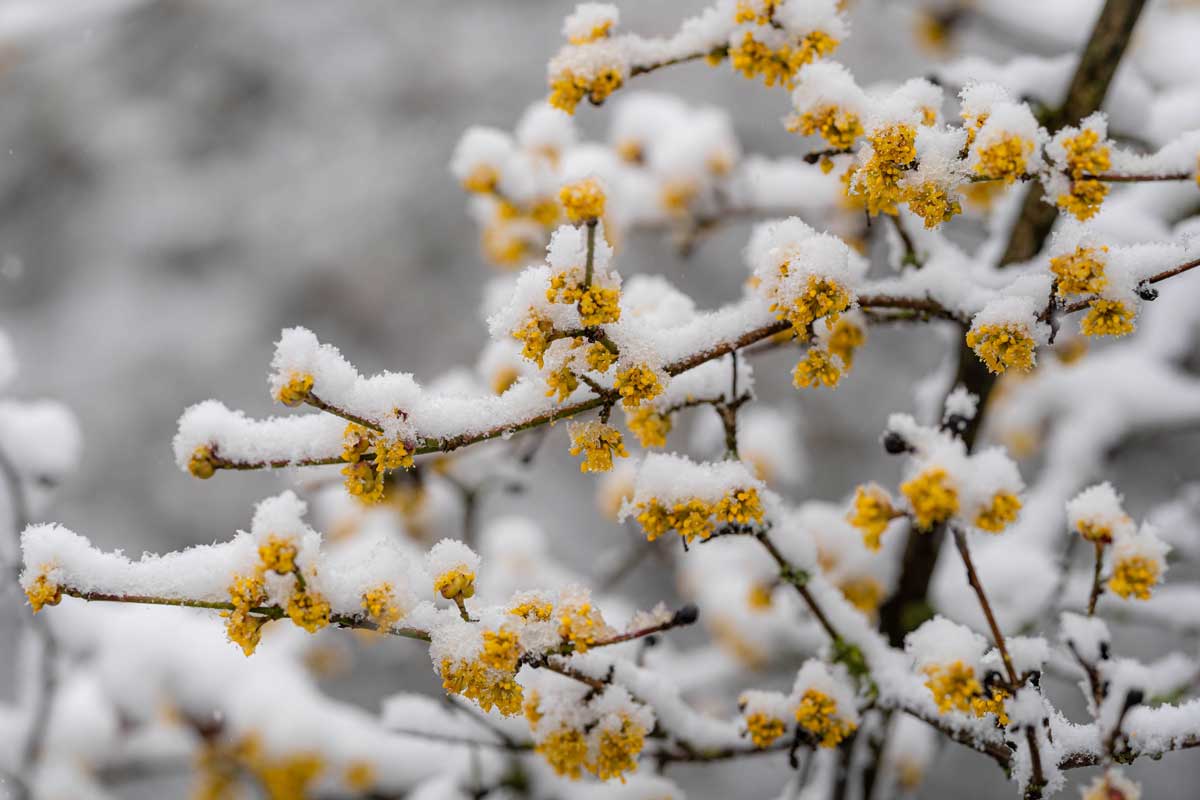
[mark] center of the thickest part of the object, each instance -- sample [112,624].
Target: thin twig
[1097,584]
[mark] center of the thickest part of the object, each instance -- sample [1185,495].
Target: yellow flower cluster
[582,200]
[650,427]
[456,583]
[561,382]
[565,750]
[501,650]
[817,368]
[365,479]
[599,357]
[893,150]
[863,592]
[1003,346]
[694,518]
[1087,156]
[202,464]
[1080,271]
[1134,576]
[284,777]
[567,88]
[308,610]
[932,496]
[871,513]
[760,12]
[778,66]
[278,555]
[955,688]
[846,338]
[598,443]
[540,610]
[997,515]
[296,390]
[822,298]
[380,605]
[764,729]
[599,31]
[618,750]
[932,202]
[581,624]
[817,714]
[43,592]
[637,384]
[837,126]
[535,335]
[1004,159]
[489,688]
[243,628]
[597,305]
[1107,318]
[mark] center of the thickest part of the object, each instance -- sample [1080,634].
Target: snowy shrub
[1004,206]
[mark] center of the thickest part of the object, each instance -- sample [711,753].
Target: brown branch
[1097,584]
[997,752]
[642,69]
[960,541]
[316,402]
[1079,305]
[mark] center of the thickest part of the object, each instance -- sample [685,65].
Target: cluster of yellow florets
[650,426]
[295,390]
[1107,318]
[778,66]
[863,592]
[489,688]
[597,305]
[694,518]
[365,479]
[308,610]
[581,623]
[203,463]
[43,591]
[533,609]
[380,605]
[244,628]
[536,335]
[1087,155]
[1005,159]
[955,688]
[598,442]
[618,749]
[279,777]
[566,751]
[847,336]
[1134,576]
[837,126]
[636,385]
[893,150]
[933,498]
[764,729]
[817,368]
[932,202]
[599,358]
[561,382]
[1080,271]
[1003,346]
[567,88]
[871,513]
[822,298]
[457,583]
[582,200]
[999,513]
[817,714]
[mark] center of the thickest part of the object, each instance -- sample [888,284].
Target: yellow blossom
[655,519]
[871,514]
[582,200]
[740,506]
[1134,576]
[599,305]
[816,369]
[863,592]
[565,750]
[535,334]
[953,686]
[598,443]
[501,650]
[568,88]
[845,339]
[637,384]
[1086,156]
[893,149]
[1084,199]
[504,378]
[308,610]
[676,196]
[380,605]
[691,519]
[482,179]
[599,357]
[532,708]
[296,390]
[617,750]
[817,714]
[933,498]
[760,596]
[764,729]
[991,704]
[1003,346]
[1004,159]
[540,610]
[44,592]
[933,203]
[363,482]
[202,464]
[1107,318]
[836,126]
[288,778]
[488,688]
[650,427]
[822,298]
[359,775]
[997,515]
[754,58]
[278,554]
[581,624]
[502,244]
[243,628]
[561,382]
[1080,271]
[598,31]
[456,582]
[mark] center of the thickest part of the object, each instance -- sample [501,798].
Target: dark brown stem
[960,540]
[316,402]
[1097,584]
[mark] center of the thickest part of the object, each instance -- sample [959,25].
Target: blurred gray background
[181,179]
